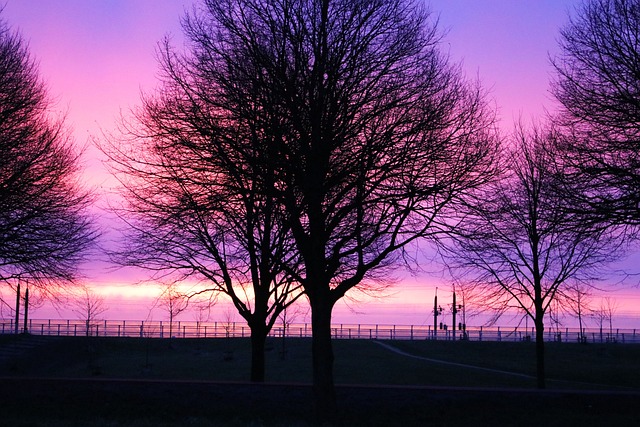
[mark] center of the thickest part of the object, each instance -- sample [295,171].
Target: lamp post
[437,310]
[17,329]
[25,330]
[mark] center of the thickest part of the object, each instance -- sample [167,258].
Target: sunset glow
[98,56]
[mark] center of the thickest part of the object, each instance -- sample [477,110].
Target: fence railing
[193,329]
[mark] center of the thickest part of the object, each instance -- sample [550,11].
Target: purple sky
[97,55]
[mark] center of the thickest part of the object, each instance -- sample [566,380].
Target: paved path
[495,371]
[443,362]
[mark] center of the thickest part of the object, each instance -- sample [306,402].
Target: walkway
[444,362]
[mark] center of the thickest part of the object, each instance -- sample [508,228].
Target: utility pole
[437,310]
[25,330]
[435,315]
[454,311]
[17,308]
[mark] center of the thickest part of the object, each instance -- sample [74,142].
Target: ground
[134,383]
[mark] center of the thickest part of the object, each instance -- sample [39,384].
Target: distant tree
[598,88]
[44,223]
[520,241]
[173,302]
[89,307]
[604,313]
[287,317]
[577,298]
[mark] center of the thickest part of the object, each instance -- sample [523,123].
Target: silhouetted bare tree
[44,225]
[604,313]
[577,298]
[521,241]
[598,87]
[199,186]
[88,306]
[173,302]
[369,133]
[340,117]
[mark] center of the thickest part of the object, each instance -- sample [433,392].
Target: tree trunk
[258,340]
[540,370]
[322,352]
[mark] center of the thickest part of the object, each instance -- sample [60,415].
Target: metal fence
[192,329]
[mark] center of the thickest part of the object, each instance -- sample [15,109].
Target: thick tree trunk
[322,351]
[258,340]
[540,370]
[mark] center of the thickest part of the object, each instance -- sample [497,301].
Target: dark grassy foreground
[137,382]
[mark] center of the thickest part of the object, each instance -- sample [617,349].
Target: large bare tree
[521,240]
[199,190]
[598,86]
[370,133]
[343,120]
[44,222]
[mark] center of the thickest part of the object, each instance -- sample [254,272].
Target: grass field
[614,369]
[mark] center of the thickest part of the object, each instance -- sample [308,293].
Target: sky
[96,56]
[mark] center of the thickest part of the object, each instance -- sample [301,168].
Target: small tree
[173,302]
[88,306]
[604,314]
[287,317]
[577,299]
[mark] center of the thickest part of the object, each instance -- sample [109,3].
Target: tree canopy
[598,88]
[45,227]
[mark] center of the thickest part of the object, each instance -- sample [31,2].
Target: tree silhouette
[604,313]
[199,187]
[371,133]
[344,121]
[173,302]
[88,306]
[577,301]
[521,241]
[44,224]
[598,88]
